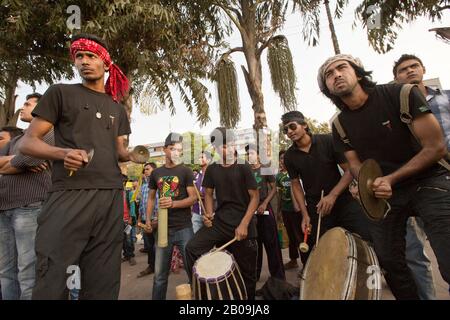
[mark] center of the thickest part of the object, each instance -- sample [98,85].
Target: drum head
[213,265]
[330,272]
[374,207]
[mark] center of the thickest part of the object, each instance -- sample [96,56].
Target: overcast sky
[413,38]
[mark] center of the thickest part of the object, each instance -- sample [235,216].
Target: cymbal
[140,154]
[374,207]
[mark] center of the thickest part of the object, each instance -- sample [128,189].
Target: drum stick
[199,198]
[320,221]
[226,245]
[201,203]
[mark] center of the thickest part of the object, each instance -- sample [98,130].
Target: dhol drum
[216,276]
[341,267]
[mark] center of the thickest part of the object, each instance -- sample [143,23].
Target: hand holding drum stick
[209,222]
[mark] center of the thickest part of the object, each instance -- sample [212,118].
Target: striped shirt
[22,189]
[144,200]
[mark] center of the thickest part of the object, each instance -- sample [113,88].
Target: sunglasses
[292,126]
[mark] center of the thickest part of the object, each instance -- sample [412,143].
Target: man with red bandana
[80,228]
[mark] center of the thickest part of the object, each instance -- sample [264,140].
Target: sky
[414,38]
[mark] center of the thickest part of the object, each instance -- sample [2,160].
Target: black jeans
[293,223]
[268,237]
[128,244]
[244,252]
[149,242]
[432,203]
[389,242]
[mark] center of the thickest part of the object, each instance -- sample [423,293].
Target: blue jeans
[417,259]
[180,238]
[197,222]
[17,255]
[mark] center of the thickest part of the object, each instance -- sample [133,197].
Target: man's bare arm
[32,144]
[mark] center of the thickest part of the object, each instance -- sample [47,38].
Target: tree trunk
[253,73]
[332,30]
[7,111]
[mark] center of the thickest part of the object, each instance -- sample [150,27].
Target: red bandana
[117,84]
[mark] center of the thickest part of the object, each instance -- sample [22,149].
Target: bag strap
[337,124]
[406,117]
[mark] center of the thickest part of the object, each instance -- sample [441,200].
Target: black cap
[173,138]
[220,136]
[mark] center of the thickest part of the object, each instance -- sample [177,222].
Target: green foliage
[163,44]
[393,14]
[282,72]
[227,92]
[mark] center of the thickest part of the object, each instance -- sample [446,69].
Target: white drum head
[213,265]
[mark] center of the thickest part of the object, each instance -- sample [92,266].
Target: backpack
[405,117]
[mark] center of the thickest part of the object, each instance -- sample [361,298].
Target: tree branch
[235,19]
[264,45]
[226,54]
[443,8]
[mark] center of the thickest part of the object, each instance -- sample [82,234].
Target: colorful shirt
[284,189]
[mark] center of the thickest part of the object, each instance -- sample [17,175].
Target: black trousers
[430,200]
[244,252]
[293,223]
[346,213]
[431,203]
[149,242]
[268,237]
[80,229]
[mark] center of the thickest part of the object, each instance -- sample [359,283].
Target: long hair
[366,84]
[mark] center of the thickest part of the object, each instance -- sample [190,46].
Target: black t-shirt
[172,182]
[262,180]
[317,168]
[231,185]
[73,110]
[376,132]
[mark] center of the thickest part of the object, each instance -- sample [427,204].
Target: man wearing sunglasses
[313,160]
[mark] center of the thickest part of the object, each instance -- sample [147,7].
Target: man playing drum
[313,159]
[237,200]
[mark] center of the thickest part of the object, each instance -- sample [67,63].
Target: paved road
[133,288]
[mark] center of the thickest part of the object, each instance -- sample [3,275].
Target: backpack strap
[406,117]
[337,124]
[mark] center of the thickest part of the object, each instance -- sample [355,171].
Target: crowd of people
[65,204]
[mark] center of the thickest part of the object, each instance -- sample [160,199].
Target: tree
[310,13]
[384,18]
[160,45]
[32,50]
[257,22]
